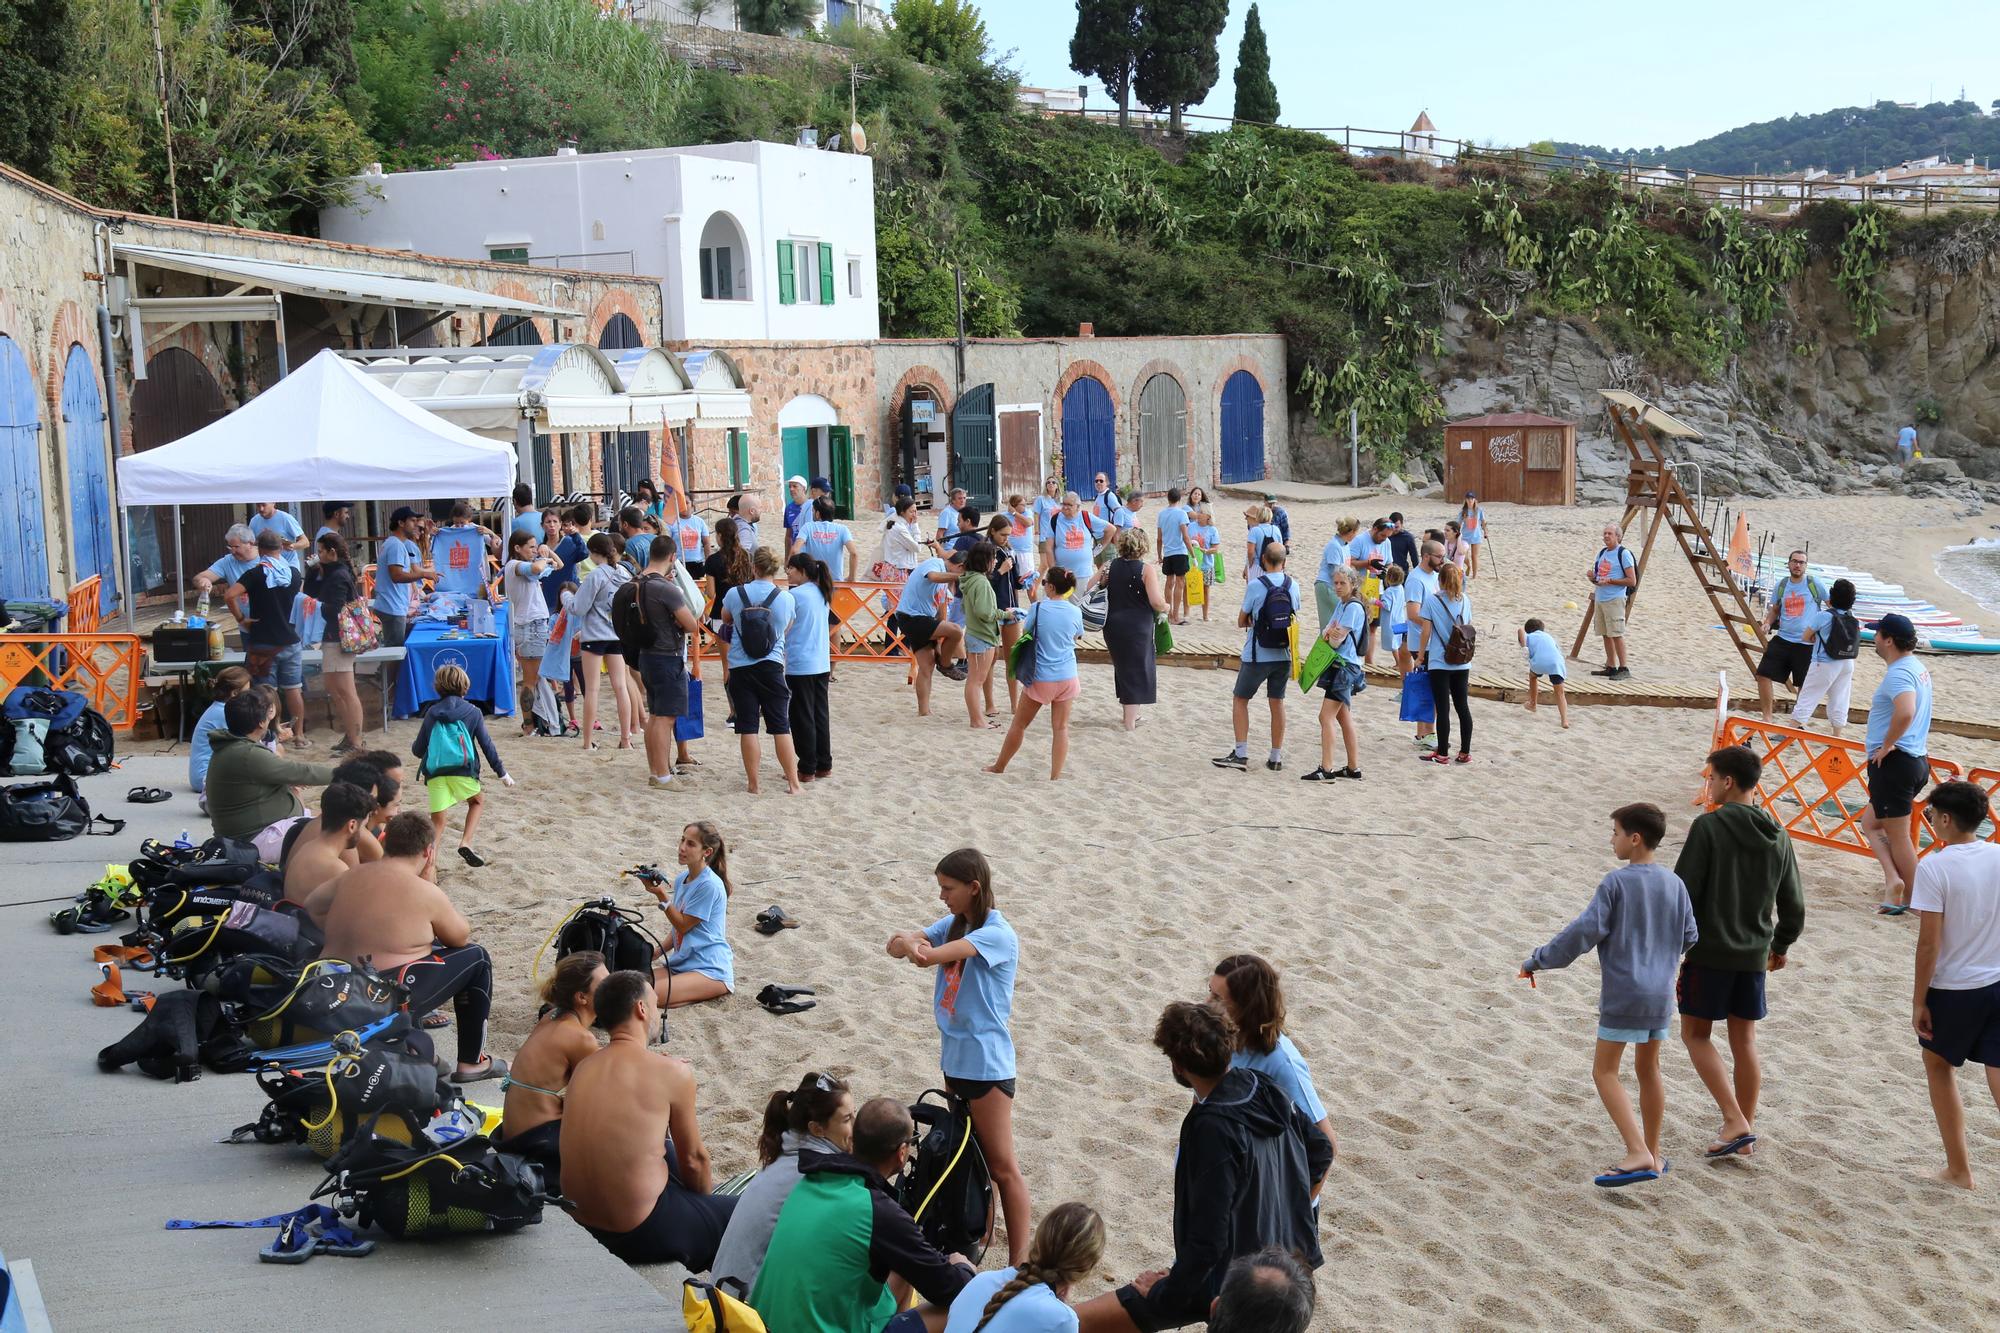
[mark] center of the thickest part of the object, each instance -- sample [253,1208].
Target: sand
[1398,909]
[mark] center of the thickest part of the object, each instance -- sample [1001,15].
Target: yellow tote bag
[708,1309]
[1197,586]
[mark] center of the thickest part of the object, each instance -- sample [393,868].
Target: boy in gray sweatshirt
[1640,922]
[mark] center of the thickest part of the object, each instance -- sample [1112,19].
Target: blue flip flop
[1612,1180]
[1731,1148]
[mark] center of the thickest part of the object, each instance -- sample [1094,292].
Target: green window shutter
[825,274]
[787,286]
[739,458]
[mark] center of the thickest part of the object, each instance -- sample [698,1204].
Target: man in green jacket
[842,1234]
[249,789]
[1739,869]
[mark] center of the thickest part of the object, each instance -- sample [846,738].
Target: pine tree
[1256,95]
[1178,63]
[1106,47]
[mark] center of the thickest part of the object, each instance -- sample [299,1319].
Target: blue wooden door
[90,514]
[24,563]
[1242,428]
[1090,437]
[975,452]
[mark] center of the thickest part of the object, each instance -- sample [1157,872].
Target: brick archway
[616,301]
[1083,369]
[891,425]
[544,328]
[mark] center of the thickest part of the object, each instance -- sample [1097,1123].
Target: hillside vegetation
[1858,138]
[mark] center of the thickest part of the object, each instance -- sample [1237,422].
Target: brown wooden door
[1020,454]
[1501,460]
[178,397]
[1547,463]
[1463,450]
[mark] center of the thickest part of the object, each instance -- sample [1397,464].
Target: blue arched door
[89,486]
[1090,437]
[1242,428]
[24,563]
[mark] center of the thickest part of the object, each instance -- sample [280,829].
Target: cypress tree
[1256,95]
[1178,63]
[1106,47]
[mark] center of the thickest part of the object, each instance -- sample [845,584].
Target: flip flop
[495,1068]
[435,1020]
[791,1006]
[148,795]
[1612,1180]
[471,857]
[1731,1148]
[774,919]
[772,994]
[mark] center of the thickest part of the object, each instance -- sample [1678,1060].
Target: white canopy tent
[327,431]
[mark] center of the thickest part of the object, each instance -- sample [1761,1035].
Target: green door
[798,453]
[843,471]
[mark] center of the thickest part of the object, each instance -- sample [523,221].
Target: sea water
[1974,571]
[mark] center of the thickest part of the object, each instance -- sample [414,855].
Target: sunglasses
[824,1082]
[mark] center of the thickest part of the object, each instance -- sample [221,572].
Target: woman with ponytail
[816,1117]
[698,964]
[1247,988]
[531,1119]
[1032,1298]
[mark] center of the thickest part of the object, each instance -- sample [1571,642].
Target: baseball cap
[402,515]
[822,484]
[903,491]
[329,508]
[1893,626]
[795,481]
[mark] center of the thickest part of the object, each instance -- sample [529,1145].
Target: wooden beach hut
[1516,457]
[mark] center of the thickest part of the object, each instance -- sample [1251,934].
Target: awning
[720,398]
[334,284]
[563,387]
[656,389]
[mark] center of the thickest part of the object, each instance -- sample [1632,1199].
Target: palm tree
[698,9]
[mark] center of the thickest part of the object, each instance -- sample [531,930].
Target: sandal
[494,1067]
[148,795]
[435,1020]
[1463,759]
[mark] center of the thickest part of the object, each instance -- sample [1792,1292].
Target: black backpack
[754,627]
[604,927]
[83,748]
[947,1188]
[389,1087]
[1843,637]
[1273,628]
[416,1193]
[52,811]
[628,619]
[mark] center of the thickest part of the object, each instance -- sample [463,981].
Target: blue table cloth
[489,662]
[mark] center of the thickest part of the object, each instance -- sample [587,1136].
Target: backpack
[604,927]
[315,1003]
[388,1086]
[707,1308]
[1273,627]
[1462,642]
[52,811]
[1843,637]
[198,943]
[425,1191]
[755,629]
[628,619]
[449,751]
[947,1189]
[83,748]
[23,746]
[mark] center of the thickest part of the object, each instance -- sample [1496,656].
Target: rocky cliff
[1810,406]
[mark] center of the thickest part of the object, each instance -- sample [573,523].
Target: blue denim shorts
[974,644]
[287,670]
[1636,1036]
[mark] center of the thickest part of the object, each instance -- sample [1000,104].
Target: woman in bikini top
[534,1088]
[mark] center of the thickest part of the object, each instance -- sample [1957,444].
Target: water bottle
[184,843]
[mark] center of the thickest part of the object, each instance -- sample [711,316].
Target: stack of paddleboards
[1938,630]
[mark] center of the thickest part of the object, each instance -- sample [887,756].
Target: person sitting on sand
[1265,1292]
[842,1236]
[1640,922]
[390,917]
[1247,988]
[817,1117]
[1032,1298]
[1956,1010]
[531,1117]
[644,1205]
[699,964]
[343,809]
[1055,624]
[1244,1174]
[1739,869]
[250,791]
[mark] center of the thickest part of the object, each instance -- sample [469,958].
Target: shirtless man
[320,853]
[624,1105]
[390,916]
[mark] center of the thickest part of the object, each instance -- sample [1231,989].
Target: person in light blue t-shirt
[1897,748]
[1613,575]
[399,566]
[1069,1242]
[1050,678]
[1787,655]
[1047,505]
[271,518]
[826,540]
[1906,444]
[1073,536]
[1173,524]
[699,964]
[1248,989]
[756,685]
[1260,532]
[1545,658]
[809,664]
[1265,665]
[976,952]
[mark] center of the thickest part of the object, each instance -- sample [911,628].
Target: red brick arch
[1222,377]
[1083,369]
[891,427]
[616,301]
[504,286]
[1161,366]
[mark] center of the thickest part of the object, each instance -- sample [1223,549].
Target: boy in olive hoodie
[1739,868]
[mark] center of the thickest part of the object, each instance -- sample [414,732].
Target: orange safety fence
[1989,780]
[85,606]
[104,668]
[863,633]
[1816,786]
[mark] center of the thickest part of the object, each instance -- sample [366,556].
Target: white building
[1421,142]
[722,13]
[751,241]
[1069,100]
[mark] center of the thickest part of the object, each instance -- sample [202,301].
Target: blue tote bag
[688,726]
[1418,704]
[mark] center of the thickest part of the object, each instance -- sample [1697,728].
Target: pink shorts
[1053,691]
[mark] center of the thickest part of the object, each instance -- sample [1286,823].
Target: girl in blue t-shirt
[975,952]
[699,964]
[1247,988]
[1056,623]
[809,664]
[1346,630]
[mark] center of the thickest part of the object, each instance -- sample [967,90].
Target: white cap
[796,481]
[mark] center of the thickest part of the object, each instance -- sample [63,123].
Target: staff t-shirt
[824,541]
[1797,599]
[1365,548]
[808,651]
[746,595]
[1035,1309]
[1254,595]
[1022,533]
[460,557]
[1074,539]
[393,598]
[974,998]
[1173,525]
[1258,537]
[1963,882]
[1332,558]
[705,949]
[1544,656]
[285,526]
[1420,584]
[1443,613]
[691,533]
[1284,1066]
[919,596]
[1056,623]
[1612,563]
[1906,675]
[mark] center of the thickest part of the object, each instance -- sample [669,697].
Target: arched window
[725,261]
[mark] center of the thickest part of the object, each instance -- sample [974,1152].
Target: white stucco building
[752,242]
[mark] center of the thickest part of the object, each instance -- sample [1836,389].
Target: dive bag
[947,1187]
[386,1084]
[422,1192]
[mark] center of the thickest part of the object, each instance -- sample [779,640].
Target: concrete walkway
[92,1164]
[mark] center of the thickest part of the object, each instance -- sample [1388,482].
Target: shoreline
[1987,598]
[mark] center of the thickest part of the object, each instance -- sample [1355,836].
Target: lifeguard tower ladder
[1651,486]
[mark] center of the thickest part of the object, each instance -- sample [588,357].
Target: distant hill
[1862,138]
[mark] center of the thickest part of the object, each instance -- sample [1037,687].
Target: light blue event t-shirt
[393,598]
[1332,558]
[287,527]
[1797,599]
[1819,623]
[1284,1066]
[1354,615]
[1612,564]
[808,648]
[1173,525]
[1254,594]
[1074,540]
[919,597]
[1443,613]
[1036,1309]
[974,998]
[1044,507]
[746,595]
[690,532]
[705,949]
[824,542]
[1056,623]
[1906,675]
[1906,438]
[1259,537]
[1544,656]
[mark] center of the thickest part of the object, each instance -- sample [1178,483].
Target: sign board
[922,411]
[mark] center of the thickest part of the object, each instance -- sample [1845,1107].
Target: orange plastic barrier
[104,668]
[1989,778]
[1822,784]
[85,607]
[864,633]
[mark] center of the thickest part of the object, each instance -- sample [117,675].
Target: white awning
[656,389]
[334,284]
[720,398]
[808,409]
[564,387]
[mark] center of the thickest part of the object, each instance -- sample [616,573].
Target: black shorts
[1173,566]
[1786,662]
[696,568]
[1893,784]
[1716,993]
[916,630]
[684,1228]
[760,689]
[603,647]
[972,1089]
[541,1144]
[1270,676]
[666,681]
[1965,1025]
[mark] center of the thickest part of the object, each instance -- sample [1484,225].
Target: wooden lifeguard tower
[1651,487]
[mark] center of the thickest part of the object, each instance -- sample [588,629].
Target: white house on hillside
[722,13]
[751,241]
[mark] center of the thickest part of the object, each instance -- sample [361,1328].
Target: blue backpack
[449,753]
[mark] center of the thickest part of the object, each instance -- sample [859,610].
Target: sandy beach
[1397,908]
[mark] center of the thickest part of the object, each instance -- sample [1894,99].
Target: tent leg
[180,574]
[131,584]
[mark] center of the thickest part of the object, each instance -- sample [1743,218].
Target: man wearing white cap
[797,511]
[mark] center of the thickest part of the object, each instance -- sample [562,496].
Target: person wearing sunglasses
[818,1117]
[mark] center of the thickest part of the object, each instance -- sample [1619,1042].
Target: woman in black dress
[1135,599]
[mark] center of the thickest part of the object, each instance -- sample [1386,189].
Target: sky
[1577,72]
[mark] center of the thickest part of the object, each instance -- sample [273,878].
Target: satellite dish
[857,137]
